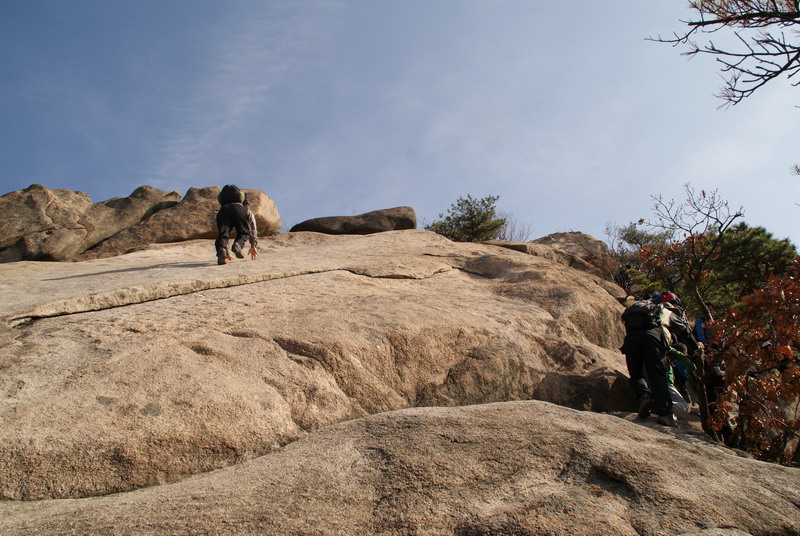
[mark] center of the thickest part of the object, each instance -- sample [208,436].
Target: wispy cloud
[255,49]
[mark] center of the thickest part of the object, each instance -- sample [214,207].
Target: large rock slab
[142,369]
[516,468]
[566,248]
[377,221]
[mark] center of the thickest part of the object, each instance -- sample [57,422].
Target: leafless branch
[698,214]
[763,57]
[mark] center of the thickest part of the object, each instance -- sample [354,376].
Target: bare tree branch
[698,214]
[763,57]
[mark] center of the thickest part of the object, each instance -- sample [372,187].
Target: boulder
[516,468]
[127,372]
[266,212]
[580,245]
[57,225]
[378,221]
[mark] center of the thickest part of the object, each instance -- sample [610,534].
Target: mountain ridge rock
[62,225]
[523,468]
[150,354]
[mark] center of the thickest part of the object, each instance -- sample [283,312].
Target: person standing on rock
[234,214]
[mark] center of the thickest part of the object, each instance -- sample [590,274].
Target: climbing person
[673,318]
[683,372]
[678,333]
[234,215]
[645,350]
[700,331]
[252,234]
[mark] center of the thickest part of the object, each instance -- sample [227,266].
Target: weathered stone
[192,218]
[161,364]
[265,211]
[139,370]
[516,468]
[44,224]
[378,221]
[559,253]
[552,253]
[577,244]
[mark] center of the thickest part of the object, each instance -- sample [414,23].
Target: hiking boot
[645,407]
[221,257]
[237,250]
[668,420]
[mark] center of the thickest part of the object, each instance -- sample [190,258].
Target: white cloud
[255,50]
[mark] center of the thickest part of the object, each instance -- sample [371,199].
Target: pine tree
[470,220]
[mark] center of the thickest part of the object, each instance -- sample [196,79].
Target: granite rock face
[297,394]
[60,225]
[577,244]
[192,218]
[57,225]
[377,221]
[161,364]
[516,468]
[576,250]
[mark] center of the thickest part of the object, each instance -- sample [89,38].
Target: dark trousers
[644,350]
[231,216]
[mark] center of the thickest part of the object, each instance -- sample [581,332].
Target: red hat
[669,297]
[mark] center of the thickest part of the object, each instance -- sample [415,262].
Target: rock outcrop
[58,225]
[295,395]
[377,221]
[192,218]
[43,224]
[577,244]
[514,468]
[573,249]
[161,364]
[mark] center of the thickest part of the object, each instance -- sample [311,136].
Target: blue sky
[338,107]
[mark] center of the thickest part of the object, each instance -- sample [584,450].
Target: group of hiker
[660,348]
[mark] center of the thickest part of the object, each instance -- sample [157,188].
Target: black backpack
[643,314]
[230,193]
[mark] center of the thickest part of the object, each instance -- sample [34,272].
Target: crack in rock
[133,295]
[148,292]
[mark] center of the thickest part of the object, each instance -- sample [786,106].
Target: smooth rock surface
[145,368]
[570,249]
[514,468]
